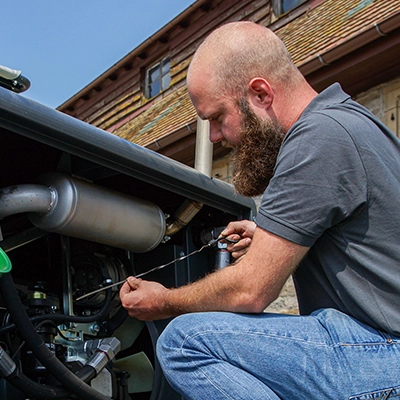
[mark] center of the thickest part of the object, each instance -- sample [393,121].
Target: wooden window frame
[163,79]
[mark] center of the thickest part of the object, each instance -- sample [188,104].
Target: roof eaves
[352,43]
[138,50]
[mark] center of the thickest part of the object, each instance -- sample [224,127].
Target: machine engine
[81,209]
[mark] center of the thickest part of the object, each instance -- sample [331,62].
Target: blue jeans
[328,355]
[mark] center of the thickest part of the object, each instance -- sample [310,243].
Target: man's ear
[261,94]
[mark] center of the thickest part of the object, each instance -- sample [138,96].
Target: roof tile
[330,23]
[168,115]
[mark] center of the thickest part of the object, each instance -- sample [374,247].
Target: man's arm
[247,286]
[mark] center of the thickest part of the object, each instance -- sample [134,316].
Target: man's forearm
[247,286]
[223,290]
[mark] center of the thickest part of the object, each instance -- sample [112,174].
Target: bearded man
[329,172]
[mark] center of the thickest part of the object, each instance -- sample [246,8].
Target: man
[330,173]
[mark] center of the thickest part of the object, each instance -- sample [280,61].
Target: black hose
[39,348]
[61,318]
[34,389]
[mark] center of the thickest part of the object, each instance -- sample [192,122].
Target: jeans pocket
[383,394]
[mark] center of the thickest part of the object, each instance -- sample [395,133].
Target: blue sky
[63,45]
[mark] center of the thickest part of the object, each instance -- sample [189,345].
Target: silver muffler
[74,207]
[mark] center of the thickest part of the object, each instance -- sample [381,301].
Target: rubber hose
[34,389]
[60,318]
[39,348]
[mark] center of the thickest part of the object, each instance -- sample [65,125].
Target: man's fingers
[242,244]
[231,229]
[134,282]
[239,249]
[243,228]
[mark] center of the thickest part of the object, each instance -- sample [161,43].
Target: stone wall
[384,102]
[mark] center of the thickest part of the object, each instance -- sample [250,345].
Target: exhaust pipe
[203,163]
[74,207]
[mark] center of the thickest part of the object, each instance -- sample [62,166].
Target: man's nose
[215,132]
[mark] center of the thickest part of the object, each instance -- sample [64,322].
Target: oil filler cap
[5,263]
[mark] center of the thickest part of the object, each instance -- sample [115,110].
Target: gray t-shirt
[336,189]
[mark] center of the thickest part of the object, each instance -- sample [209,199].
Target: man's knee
[171,340]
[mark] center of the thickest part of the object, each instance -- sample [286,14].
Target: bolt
[166,238]
[95,328]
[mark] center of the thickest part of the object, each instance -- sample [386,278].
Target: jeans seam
[384,394]
[275,336]
[372,344]
[182,350]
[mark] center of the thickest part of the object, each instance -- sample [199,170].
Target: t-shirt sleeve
[319,181]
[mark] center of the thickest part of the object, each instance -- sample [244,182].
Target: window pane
[166,80]
[288,5]
[154,89]
[165,66]
[158,78]
[154,74]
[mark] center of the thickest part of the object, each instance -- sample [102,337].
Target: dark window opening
[283,6]
[158,78]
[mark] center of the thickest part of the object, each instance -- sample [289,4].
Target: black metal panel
[28,118]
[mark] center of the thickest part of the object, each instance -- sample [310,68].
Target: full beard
[255,156]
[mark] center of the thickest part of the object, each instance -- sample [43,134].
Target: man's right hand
[242,231]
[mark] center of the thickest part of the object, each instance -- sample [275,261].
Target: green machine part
[5,263]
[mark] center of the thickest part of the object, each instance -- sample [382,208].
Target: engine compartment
[122,201]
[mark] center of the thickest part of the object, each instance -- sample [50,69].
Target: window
[283,6]
[158,78]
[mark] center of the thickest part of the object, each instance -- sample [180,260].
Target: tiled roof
[168,115]
[331,23]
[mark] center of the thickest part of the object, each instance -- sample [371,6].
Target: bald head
[237,52]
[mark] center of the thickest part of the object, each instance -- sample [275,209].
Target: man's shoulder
[320,125]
